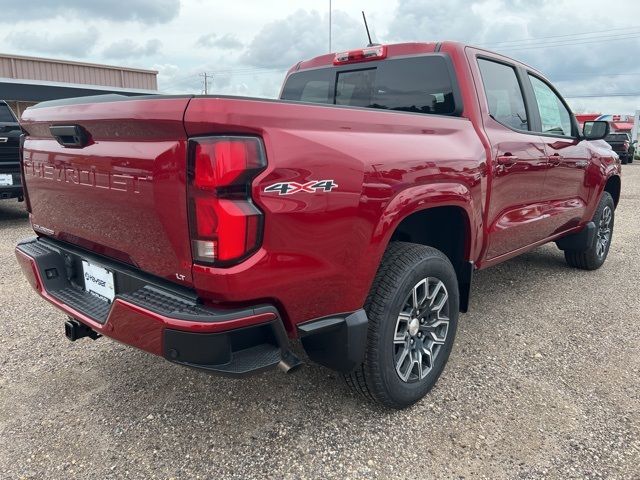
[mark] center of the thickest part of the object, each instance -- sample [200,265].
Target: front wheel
[413,316]
[593,257]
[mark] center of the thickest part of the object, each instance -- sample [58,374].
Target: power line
[493,44]
[603,95]
[585,74]
[567,44]
[248,68]
[249,71]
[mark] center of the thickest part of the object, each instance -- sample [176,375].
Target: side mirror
[595,130]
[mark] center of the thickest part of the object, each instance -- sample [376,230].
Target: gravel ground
[543,382]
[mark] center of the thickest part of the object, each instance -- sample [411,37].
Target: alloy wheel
[604,232]
[421,329]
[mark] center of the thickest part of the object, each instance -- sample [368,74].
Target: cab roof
[407,48]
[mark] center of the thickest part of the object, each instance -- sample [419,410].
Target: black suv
[10,183]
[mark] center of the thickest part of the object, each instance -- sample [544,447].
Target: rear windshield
[5,114]
[619,137]
[417,84]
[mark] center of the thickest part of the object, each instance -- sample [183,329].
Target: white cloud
[127,48]
[144,11]
[227,41]
[300,36]
[68,43]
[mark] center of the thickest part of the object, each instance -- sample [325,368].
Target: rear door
[518,158]
[121,192]
[565,191]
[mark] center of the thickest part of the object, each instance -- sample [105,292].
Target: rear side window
[417,84]
[314,86]
[6,115]
[504,95]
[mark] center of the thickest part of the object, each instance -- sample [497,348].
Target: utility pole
[329,25]
[206,75]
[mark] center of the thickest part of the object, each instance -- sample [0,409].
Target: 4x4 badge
[288,188]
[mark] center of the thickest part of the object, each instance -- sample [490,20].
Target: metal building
[25,81]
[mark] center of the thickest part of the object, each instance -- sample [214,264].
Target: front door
[565,189]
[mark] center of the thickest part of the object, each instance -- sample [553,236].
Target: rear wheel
[413,316]
[594,256]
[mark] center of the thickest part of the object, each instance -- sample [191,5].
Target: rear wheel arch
[613,186]
[446,228]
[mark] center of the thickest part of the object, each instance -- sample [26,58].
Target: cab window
[422,84]
[504,95]
[554,116]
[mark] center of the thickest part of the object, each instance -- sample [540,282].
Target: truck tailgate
[122,191]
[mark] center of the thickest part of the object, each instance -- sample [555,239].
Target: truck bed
[124,195]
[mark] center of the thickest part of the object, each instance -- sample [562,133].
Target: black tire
[404,267]
[593,257]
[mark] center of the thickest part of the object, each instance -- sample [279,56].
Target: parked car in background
[349,214]
[10,182]
[621,144]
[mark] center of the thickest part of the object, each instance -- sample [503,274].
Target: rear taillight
[225,225]
[23,180]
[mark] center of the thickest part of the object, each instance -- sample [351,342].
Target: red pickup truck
[350,214]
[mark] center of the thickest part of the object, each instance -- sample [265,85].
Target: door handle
[507,159]
[555,159]
[70,135]
[582,164]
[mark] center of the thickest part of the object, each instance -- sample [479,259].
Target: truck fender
[423,197]
[420,198]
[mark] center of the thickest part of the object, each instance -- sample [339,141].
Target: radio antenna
[364,17]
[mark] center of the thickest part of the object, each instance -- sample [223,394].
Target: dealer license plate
[98,281]
[6,180]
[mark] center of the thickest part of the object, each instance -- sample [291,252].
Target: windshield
[6,115]
[417,84]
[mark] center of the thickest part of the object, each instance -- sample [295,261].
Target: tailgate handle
[73,136]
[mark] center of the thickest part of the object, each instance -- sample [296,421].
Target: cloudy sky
[586,47]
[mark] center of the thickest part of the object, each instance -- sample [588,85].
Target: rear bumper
[11,191]
[14,191]
[154,315]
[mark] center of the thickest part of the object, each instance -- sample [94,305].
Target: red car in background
[586,117]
